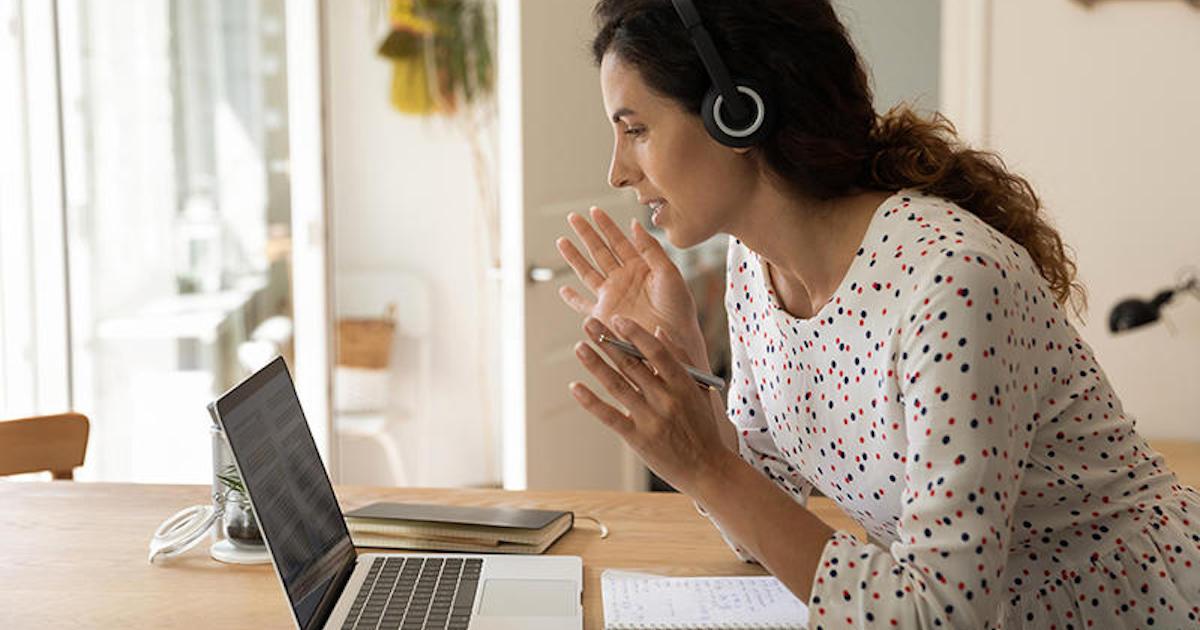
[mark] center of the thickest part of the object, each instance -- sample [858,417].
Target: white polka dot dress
[943,400]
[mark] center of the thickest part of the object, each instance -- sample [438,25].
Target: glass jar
[238,522]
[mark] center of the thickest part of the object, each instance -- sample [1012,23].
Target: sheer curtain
[175,238]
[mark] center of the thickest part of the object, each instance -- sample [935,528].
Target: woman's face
[693,184]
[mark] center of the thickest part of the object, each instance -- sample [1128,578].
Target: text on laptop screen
[288,485]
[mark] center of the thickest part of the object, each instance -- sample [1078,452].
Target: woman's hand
[633,279]
[670,422]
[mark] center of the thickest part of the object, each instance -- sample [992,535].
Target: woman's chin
[681,239]
[680,234]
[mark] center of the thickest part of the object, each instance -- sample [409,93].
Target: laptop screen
[288,486]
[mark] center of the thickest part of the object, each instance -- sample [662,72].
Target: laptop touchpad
[529,598]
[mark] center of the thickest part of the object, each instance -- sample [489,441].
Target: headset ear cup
[737,136]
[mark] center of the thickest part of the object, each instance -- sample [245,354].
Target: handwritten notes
[638,600]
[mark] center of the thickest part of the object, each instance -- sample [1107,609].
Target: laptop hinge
[330,599]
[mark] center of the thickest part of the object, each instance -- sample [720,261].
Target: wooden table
[74,554]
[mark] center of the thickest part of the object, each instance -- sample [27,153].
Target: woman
[897,316]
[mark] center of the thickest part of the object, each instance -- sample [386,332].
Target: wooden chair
[54,443]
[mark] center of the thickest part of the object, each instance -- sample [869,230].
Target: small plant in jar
[238,522]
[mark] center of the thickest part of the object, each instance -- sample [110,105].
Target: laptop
[330,585]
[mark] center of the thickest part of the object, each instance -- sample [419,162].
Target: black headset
[734,111]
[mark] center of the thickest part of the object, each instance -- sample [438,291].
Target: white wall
[1100,108]
[900,43]
[404,197]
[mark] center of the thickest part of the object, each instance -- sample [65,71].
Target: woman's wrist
[717,475]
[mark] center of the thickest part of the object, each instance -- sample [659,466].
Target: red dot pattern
[944,401]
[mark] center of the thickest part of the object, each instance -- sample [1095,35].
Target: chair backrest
[54,443]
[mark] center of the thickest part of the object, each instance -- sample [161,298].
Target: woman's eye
[635,131]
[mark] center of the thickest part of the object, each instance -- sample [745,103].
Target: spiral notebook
[634,601]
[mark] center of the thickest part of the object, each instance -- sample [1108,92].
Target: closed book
[457,528]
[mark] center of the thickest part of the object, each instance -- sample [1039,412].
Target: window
[174,219]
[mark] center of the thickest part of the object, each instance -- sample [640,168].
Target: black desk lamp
[1133,312]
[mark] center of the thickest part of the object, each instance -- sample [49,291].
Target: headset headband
[717,71]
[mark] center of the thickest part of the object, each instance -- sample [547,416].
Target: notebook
[633,601]
[456,528]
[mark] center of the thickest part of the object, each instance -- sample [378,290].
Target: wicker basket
[366,342]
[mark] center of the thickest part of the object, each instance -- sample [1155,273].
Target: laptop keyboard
[415,593]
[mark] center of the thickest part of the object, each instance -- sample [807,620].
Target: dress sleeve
[967,381]
[756,445]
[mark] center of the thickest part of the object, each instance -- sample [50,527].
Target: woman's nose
[620,174]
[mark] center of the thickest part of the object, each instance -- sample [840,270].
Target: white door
[1096,105]
[555,146]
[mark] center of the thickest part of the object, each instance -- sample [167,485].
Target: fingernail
[580,349]
[593,325]
[658,331]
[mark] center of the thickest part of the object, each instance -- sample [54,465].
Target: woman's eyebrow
[624,111]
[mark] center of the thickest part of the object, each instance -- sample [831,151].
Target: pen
[704,379]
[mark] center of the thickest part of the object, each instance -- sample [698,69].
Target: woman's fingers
[616,238]
[577,302]
[611,379]
[667,366]
[649,247]
[605,259]
[632,367]
[606,413]
[591,278]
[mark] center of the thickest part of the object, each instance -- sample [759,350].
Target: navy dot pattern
[944,401]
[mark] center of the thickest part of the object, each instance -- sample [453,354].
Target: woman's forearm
[781,534]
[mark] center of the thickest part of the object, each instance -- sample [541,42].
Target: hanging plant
[441,53]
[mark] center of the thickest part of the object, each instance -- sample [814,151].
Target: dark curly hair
[828,140]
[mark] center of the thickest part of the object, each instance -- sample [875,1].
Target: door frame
[312,272]
[966,45]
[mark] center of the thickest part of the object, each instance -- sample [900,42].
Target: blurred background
[372,188]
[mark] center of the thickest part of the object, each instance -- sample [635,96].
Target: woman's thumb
[649,247]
